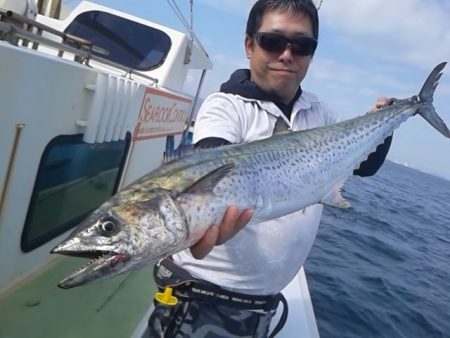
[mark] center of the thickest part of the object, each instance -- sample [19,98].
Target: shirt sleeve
[218,117]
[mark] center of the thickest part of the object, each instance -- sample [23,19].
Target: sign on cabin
[161,114]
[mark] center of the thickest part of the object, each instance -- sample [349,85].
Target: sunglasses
[277,43]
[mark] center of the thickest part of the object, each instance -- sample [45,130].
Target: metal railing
[16,29]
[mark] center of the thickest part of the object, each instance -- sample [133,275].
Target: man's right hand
[233,221]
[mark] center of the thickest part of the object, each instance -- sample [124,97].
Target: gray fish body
[171,208]
[286,172]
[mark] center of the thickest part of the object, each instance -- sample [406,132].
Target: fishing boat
[91,99]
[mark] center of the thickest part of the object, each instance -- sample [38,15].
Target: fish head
[122,237]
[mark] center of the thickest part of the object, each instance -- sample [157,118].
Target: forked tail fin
[426,97]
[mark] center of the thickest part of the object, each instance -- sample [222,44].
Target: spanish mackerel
[170,208]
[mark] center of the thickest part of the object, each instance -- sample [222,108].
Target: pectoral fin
[335,199]
[207,183]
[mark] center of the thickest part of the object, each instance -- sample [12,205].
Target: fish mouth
[102,264]
[91,254]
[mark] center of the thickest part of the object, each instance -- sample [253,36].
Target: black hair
[304,7]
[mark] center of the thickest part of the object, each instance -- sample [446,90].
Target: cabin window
[128,43]
[73,179]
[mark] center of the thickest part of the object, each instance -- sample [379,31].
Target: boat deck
[301,321]
[41,309]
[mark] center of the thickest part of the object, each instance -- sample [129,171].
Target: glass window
[128,43]
[73,179]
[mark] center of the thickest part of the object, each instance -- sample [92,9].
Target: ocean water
[382,268]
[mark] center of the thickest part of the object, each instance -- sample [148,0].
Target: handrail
[65,37]
[12,157]
[82,54]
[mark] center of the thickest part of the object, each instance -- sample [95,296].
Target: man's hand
[382,101]
[233,221]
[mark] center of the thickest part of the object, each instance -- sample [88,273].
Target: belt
[168,274]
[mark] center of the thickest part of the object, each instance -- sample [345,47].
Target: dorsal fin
[281,126]
[175,154]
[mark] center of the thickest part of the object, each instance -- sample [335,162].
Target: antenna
[188,24]
[318,4]
[179,14]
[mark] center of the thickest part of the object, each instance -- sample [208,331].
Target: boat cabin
[88,104]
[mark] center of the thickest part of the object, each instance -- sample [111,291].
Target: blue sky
[366,49]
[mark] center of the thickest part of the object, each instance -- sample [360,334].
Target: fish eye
[109,227]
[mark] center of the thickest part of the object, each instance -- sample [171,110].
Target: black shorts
[205,310]
[201,319]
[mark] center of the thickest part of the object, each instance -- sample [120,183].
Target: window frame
[128,65]
[27,244]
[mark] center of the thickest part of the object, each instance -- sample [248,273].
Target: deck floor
[112,308]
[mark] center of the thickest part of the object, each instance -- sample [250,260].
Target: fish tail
[427,110]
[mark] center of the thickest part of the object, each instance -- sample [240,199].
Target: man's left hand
[382,101]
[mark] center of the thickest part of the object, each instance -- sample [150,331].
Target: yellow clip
[166,297]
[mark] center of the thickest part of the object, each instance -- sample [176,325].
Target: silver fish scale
[271,177]
[280,170]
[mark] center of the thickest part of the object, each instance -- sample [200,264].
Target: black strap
[215,294]
[168,274]
[282,319]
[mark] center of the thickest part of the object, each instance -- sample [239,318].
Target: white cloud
[412,31]
[224,65]
[241,7]
[351,77]
[238,7]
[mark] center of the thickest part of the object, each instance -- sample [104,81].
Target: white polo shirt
[262,258]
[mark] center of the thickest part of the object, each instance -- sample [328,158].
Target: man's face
[279,73]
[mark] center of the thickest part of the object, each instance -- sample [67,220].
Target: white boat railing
[11,30]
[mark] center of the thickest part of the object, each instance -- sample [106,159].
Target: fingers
[381,102]
[233,221]
[203,247]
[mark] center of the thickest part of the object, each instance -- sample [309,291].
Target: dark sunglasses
[277,43]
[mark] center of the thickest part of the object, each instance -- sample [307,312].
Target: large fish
[170,209]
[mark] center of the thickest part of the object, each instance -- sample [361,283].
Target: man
[251,263]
